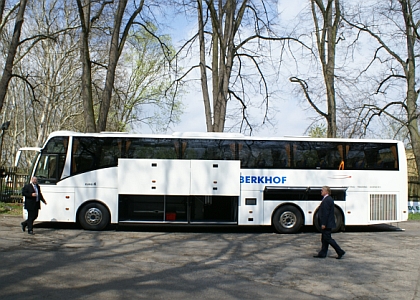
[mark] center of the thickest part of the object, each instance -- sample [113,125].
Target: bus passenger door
[60,204]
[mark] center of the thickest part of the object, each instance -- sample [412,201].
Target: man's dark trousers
[326,240]
[32,215]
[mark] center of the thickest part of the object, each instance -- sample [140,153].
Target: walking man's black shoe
[341,255]
[30,232]
[23,227]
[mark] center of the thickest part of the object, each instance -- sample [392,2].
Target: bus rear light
[250,211]
[67,208]
[349,212]
[67,197]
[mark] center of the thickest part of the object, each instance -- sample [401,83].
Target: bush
[414,217]
[13,209]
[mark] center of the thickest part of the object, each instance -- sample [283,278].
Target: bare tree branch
[364,28]
[388,78]
[304,87]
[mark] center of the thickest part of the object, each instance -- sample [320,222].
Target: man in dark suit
[327,221]
[33,197]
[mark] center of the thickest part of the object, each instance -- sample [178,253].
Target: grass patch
[12,209]
[415,217]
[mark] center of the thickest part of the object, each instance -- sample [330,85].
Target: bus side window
[393,150]
[387,158]
[260,161]
[305,155]
[356,159]
[379,163]
[109,152]
[52,167]
[372,156]
[84,155]
[280,159]
[245,155]
[330,156]
[360,164]
[342,155]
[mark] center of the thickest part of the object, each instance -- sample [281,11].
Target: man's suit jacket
[326,213]
[30,201]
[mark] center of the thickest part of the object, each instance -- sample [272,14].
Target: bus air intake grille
[383,207]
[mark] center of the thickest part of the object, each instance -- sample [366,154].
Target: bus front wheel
[94,216]
[287,219]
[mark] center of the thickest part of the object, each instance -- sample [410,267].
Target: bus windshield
[50,165]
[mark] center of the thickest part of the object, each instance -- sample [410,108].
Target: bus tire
[94,216]
[338,220]
[287,219]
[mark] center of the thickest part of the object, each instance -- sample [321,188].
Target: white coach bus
[98,179]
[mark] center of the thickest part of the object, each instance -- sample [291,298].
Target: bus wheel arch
[93,215]
[339,220]
[287,218]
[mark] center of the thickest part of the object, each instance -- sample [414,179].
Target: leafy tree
[318,131]
[143,93]
[118,37]
[47,96]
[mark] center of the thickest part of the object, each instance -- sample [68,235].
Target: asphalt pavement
[62,261]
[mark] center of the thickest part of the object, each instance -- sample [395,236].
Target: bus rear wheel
[94,216]
[287,219]
[338,221]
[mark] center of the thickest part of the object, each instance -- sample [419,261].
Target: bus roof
[214,135]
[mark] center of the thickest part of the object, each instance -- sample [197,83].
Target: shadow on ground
[213,228]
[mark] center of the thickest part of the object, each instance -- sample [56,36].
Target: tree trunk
[224,25]
[410,73]
[203,70]
[326,40]
[87,95]
[2,6]
[115,50]
[112,66]
[7,72]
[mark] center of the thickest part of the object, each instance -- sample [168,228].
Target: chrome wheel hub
[93,216]
[288,219]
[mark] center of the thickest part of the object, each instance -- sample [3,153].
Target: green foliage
[13,209]
[145,94]
[415,217]
[318,131]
